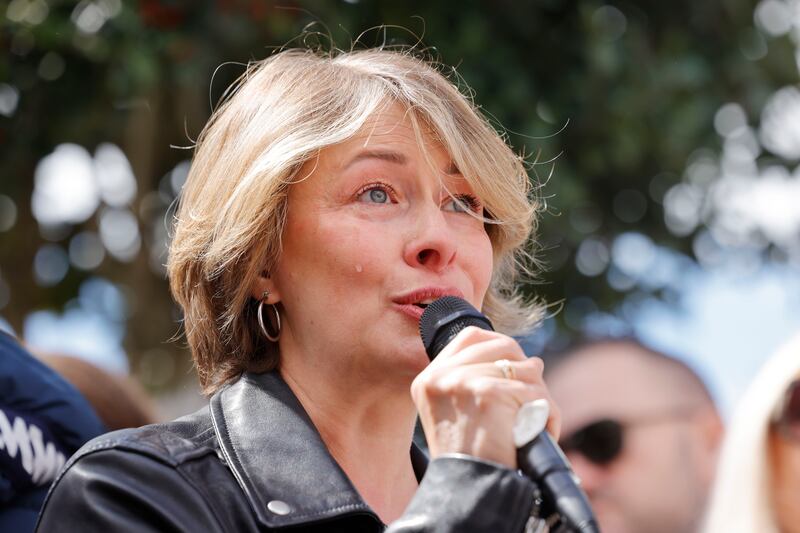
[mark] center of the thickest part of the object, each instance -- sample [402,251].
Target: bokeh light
[51,67]
[774,17]
[90,16]
[765,204]
[592,257]
[610,22]
[633,254]
[64,187]
[86,250]
[682,205]
[618,280]
[8,213]
[31,12]
[103,297]
[114,175]
[729,119]
[50,265]
[780,123]
[119,232]
[9,98]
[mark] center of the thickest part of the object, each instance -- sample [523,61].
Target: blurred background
[665,136]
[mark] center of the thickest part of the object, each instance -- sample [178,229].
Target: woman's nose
[432,244]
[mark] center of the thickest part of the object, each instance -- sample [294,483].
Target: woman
[758,481]
[331,198]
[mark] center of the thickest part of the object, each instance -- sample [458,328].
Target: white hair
[741,501]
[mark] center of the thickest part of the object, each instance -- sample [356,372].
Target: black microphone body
[540,459]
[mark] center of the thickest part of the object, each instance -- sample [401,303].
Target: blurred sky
[724,321]
[727,324]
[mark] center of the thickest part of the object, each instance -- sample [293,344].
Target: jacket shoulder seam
[112,445]
[141,448]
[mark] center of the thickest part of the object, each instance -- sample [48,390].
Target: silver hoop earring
[277,335]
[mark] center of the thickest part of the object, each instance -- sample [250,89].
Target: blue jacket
[43,420]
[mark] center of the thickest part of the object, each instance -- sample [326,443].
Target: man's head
[640,430]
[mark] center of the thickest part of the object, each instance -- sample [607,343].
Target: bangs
[493,171]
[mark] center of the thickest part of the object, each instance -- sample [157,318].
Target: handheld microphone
[540,458]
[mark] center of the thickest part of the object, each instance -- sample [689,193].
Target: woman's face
[371,232]
[784,448]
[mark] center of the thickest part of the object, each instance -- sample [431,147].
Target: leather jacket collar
[278,457]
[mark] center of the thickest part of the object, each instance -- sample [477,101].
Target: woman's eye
[463,203]
[376,194]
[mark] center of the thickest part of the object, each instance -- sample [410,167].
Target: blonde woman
[331,198]
[758,481]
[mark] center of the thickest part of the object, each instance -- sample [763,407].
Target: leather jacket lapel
[277,455]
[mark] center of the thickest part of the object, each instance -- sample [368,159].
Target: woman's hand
[465,403]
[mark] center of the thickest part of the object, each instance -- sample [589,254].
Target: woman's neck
[366,426]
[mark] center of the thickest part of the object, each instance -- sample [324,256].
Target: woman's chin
[410,359]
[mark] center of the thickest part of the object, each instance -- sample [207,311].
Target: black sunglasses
[600,441]
[787,417]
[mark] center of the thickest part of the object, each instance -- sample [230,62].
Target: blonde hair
[279,115]
[741,501]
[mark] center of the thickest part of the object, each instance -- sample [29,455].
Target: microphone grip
[538,457]
[542,460]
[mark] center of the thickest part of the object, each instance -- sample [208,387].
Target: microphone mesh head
[444,318]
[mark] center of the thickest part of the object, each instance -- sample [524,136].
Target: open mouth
[424,303]
[415,302]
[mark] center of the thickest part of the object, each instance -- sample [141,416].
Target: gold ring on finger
[505,367]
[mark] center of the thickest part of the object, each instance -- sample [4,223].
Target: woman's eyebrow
[384,155]
[396,158]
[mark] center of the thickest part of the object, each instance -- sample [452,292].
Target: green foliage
[609,99]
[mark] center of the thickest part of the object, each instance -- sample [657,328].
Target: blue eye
[376,194]
[463,203]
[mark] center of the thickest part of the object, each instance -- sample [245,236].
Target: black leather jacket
[253,461]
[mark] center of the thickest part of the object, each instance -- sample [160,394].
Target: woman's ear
[264,285]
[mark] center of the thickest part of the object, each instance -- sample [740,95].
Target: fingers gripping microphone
[540,459]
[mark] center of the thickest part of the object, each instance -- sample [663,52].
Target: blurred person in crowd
[43,420]
[331,198]
[641,431]
[119,401]
[758,481]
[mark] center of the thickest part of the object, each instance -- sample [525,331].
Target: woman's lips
[407,303]
[412,311]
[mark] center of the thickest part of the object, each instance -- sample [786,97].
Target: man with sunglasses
[640,430]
